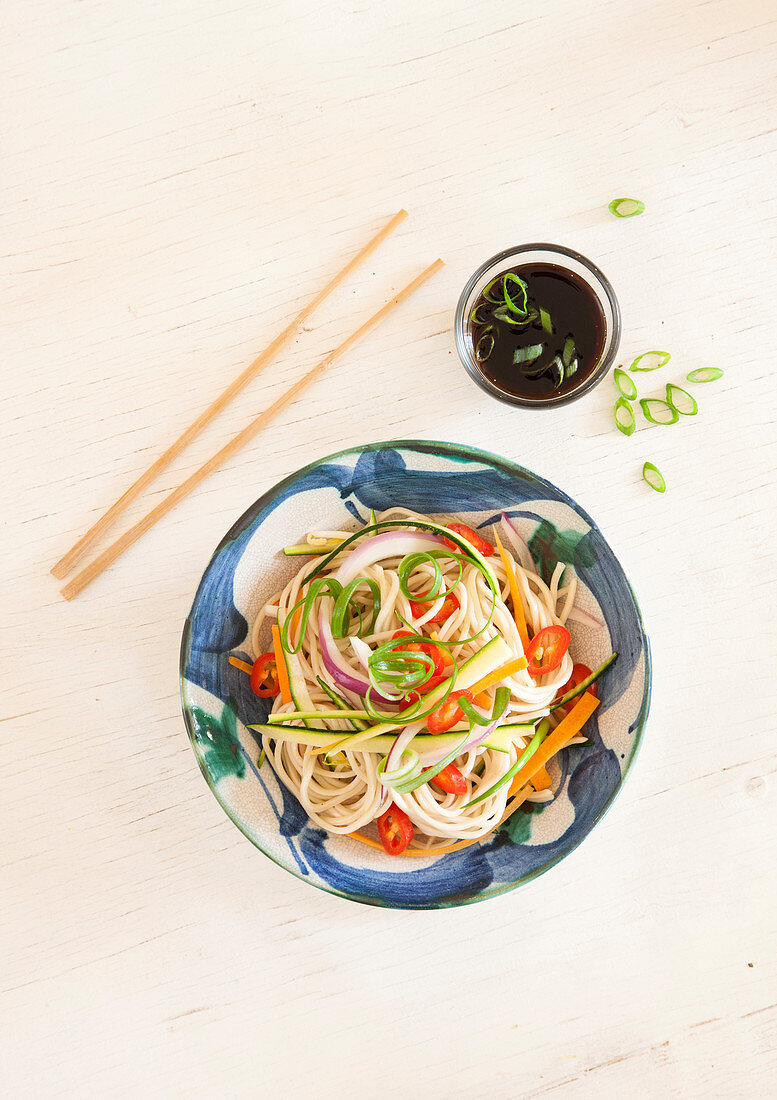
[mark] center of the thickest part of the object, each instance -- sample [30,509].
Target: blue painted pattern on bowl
[443,480]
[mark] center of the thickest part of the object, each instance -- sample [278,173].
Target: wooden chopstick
[76,552]
[116,549]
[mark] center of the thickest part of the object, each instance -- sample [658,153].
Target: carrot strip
[567,728]
[498,674]
[280,664]
[242,665]
[541,781]
[512,580]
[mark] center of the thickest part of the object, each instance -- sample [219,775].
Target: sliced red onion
[362,651]
[582,617]
[401,742]
[339,669]
[519,544]
[392,544]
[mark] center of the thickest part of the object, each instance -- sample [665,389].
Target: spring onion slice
[569,351]
[521,307]
[705,374]
[528,752]
[528,354]
[654,477]
[341,613]
[626,208]
[261,760]
[677,397]
[503,313]
[495,298]
[557,371]
[545,321]
[626,385]
[407,771]
[652,360]
[324,584]
[501,699]
[571,369]
[411,561]
[474,315]
[429,773]
[625,420]
[654,408]
[584,684]
[484,347]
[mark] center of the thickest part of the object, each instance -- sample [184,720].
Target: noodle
[346,794]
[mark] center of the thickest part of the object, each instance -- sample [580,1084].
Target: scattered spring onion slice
[528,354]
[626,385]
[479,308]
[625,420]
[654,408]
[485,346]
[626,208]
[681,400]
[705,374]
[522,305]
[654,477]
[571,369]
[528,752]
[651,360]
[545,321]
[568,354]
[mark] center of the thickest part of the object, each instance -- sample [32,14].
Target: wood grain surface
[179,180]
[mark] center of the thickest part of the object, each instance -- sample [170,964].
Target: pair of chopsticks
[117,548]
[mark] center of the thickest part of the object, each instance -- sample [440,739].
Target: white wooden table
[178,179]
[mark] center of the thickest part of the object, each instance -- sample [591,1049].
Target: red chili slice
[450,780]
[395,830]
[448,713]
[449,606]
[480,544]
[416,646]
[579,673]
[547,649]
[264,676]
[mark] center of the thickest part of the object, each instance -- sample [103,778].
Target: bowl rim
[433,447]
[550,402]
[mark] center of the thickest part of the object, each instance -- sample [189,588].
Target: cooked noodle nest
[346,794]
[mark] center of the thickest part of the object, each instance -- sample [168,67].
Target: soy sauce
[540,339]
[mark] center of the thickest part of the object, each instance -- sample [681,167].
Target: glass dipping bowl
[562,257]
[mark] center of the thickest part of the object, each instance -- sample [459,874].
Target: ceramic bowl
[338,492]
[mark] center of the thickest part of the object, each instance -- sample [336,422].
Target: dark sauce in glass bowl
[537,331]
